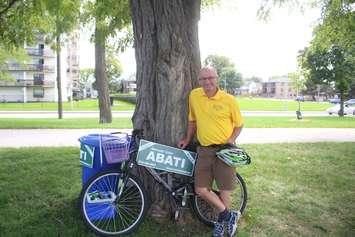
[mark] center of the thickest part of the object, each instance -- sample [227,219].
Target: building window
[38,79]
[38,92]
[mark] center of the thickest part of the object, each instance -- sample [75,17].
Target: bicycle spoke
[105,214]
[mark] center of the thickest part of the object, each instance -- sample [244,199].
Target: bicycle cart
[114,202]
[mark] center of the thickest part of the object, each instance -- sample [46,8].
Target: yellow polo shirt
[215,117]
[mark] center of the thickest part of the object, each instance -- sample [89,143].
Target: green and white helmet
[233,156]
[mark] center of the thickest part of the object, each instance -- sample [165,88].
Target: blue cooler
[100,152]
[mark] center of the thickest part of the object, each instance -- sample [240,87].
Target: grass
[246,103]
[18,123]
[293,122]
[294,190]
[67,106]
[250,122]
[301,190]
[264,104]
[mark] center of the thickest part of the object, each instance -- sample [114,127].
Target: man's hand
[183,143]
[231,141]
[235,134]
[191,129]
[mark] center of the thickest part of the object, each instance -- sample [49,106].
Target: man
[215,116]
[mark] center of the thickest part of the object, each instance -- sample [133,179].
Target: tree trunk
[168,60]
[101,77]
[59,80]
[341,110]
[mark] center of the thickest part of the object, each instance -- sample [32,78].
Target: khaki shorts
[210,168]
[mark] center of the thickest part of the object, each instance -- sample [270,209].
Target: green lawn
[264,104]
[17,123]
[306,122]
[250,122]
[294,190]
[67,106]
[245,103]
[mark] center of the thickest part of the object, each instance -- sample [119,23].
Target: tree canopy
[330,58]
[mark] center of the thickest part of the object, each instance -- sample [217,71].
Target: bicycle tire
[106,214]
[206,213]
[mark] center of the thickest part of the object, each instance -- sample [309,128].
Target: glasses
[207,78]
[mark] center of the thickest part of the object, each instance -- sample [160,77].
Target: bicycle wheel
[109,211]
[206,213]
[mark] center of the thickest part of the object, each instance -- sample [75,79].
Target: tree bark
[101,78]
[59,80]
[168,61]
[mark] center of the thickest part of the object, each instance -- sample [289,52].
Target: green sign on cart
[87,155]
[167,158]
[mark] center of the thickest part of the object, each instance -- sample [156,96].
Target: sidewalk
[69,137]
[128,114]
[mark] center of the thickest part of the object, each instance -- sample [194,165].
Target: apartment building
[72,62]
[35,80]
[279,88]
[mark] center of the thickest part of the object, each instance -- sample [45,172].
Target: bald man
[215,117]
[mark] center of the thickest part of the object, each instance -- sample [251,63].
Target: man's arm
[191,130]
[235,134]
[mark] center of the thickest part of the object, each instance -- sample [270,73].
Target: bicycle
[114,202]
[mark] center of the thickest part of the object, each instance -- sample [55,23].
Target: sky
[232,29]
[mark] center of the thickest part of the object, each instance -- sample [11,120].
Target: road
[128,114]
[69,137]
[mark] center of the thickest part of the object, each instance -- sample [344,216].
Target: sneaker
[232,223]
[218,230]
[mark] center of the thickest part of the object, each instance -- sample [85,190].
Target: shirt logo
[217,107]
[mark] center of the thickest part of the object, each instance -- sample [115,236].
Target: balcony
[29,67]
[38,52]
[34,51]
[27,83]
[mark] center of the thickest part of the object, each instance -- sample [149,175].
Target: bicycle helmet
[233,156]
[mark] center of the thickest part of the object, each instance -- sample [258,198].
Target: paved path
[69,137]
[120,114]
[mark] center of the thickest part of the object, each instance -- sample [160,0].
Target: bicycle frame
[173,191]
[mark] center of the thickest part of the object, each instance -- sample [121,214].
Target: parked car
[334,101]
[299,98]
[348,109]
[350,102]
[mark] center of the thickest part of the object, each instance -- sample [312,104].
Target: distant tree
[253,79]
[64,15]
[333,67]
[330,58]
[85,75]
[336,26]
[314,88]
[21,21]
[297,81]
[109,17]
[232,79]
[16,54]
[113,70]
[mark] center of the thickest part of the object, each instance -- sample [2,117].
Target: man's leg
[225,179]
[212,198]
[203,183]
[225,196]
